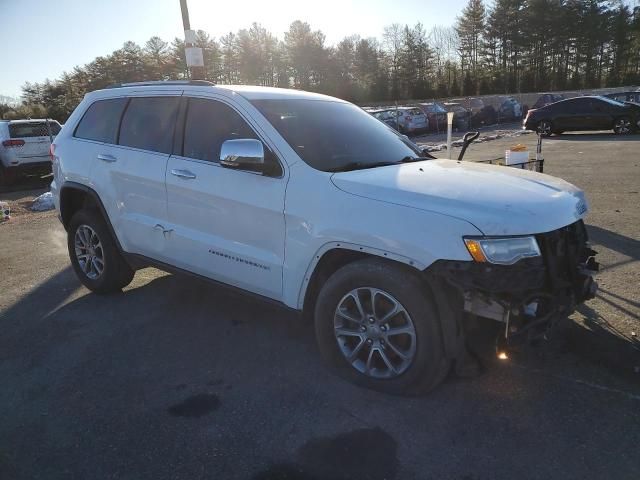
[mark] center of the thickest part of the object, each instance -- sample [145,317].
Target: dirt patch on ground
[20,204]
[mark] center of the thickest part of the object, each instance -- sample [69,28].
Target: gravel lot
[177,379]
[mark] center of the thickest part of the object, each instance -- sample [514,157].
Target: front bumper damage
[532,296]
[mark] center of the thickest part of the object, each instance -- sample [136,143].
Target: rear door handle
[105,157]
[186,174]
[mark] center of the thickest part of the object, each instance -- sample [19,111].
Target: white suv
[24,146]
[308,201]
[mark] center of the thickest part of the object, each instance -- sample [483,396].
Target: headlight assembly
[503,251]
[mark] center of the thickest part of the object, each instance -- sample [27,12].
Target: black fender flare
[450,318]
[91,193]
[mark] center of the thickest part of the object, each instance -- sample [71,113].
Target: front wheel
[377,327]
[622,126]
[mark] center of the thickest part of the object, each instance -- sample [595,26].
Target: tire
[386,282]
[545,128]
[87,227]
[6,177]
[622,126]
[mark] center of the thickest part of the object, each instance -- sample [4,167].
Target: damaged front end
[532,295]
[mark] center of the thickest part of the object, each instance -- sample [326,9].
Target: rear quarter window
[100,121]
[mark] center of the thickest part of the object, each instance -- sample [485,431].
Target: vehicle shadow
[25,318]
[27,182]
[585,340]
[627,246]
[601,343]
[176,311]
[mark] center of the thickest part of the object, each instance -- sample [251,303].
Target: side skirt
[138,262]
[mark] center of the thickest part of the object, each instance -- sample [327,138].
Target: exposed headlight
[503,251]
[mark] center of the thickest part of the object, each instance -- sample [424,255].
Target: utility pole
[193,54]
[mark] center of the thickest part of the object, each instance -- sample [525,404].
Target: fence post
[449,129]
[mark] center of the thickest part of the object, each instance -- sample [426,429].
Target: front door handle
[105,157]
[186,174]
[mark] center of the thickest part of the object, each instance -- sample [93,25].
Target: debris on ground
[5,212]
[43,202]
[429,147]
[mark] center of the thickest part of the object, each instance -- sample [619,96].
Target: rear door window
[148,123]
[32,129]
[600,107]
[100,121]
[576,106]
[208,124]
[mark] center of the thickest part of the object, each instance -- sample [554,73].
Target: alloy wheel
[89,252]
[622,126]
[375,333]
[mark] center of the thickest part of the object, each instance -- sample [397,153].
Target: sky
[41,39]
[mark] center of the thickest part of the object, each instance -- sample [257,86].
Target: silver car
[412,120]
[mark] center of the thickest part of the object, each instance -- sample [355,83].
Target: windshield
[33,129]
[330,136]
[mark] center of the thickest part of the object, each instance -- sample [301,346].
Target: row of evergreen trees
[511,46]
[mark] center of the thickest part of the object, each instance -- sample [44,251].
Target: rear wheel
[622,126]
[377,327]
[7,177]
[545,128]
[94,254]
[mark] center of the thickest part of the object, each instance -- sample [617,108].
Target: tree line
[507,47]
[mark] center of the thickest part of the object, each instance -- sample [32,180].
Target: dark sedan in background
[584,113]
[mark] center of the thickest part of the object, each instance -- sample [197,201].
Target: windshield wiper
[359,166]
[408,159]
[363,165]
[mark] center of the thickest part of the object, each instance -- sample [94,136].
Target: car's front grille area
[563,251]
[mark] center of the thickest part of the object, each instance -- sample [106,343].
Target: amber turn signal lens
[475,250]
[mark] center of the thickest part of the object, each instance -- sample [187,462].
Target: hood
[495,199]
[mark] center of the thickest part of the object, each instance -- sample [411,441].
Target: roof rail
[201,83]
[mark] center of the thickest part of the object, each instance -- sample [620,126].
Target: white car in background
[308,201]
[24,146]
[412,120]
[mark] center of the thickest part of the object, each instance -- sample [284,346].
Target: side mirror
[243,154]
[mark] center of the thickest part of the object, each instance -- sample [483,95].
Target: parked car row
[432,116]
[407,120]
